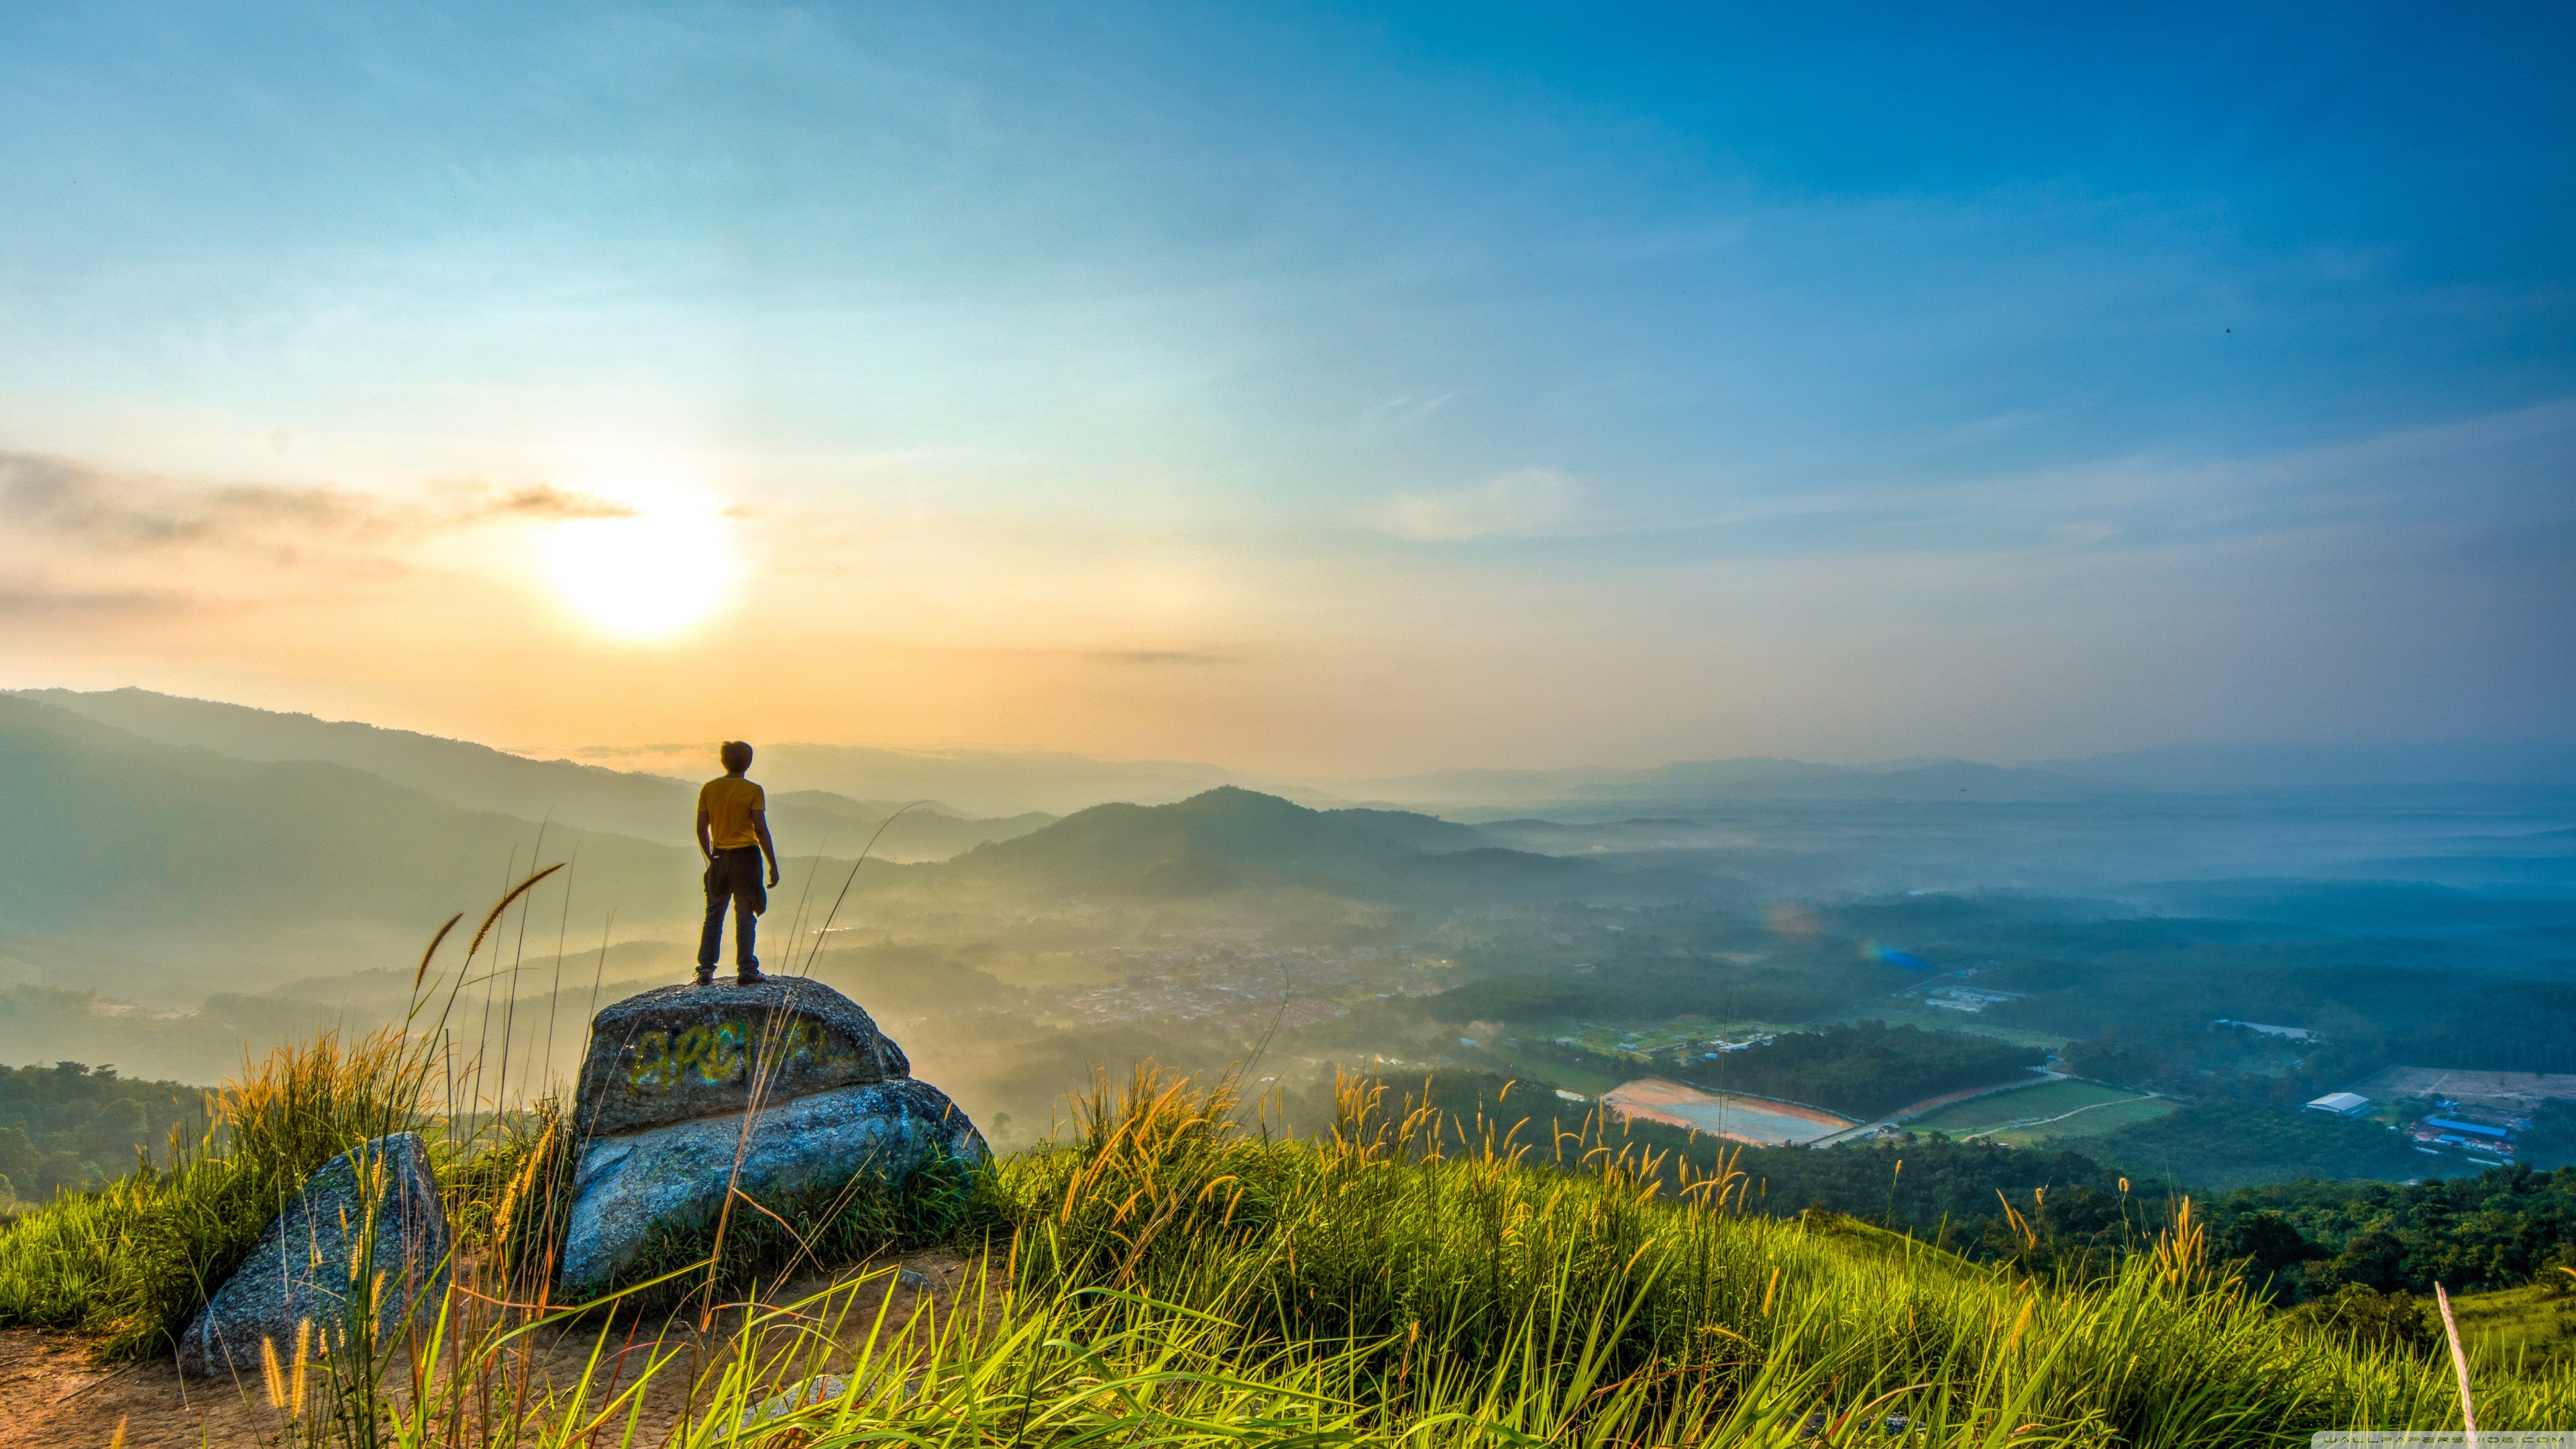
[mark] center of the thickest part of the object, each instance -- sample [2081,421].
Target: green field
[2019,1119]
[2538,1322]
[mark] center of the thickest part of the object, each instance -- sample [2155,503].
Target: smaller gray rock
[300,1271]
[821,1389]
[826,1389]
[627,1186]
[908,1278]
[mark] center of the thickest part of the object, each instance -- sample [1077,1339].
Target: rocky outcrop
[678,1176]
[684,1052]
[778,1089]
[304,1268]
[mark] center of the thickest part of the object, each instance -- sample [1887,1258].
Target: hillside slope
[117,836]
[646,806]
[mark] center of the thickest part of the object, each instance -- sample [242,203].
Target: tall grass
[131,1263]
[1175,1279]
[1475,1257]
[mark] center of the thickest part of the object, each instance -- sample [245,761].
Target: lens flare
[647,575]
[1890,956]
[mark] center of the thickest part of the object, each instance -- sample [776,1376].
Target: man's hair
[735,754]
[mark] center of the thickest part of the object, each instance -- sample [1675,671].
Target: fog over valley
[195,882]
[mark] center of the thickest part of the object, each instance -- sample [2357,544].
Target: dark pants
[733,877]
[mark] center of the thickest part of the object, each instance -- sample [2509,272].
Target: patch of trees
[67,1127]
[2401,1006]
[2498,1229]
[2221,1145]
[1861,1069]
[2198,1059]
[2551,1142]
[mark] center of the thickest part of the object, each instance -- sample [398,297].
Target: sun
[647,575]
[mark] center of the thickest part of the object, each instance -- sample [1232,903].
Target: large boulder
[780,1089]
[684,1052]
[303,1269]
[677,1177]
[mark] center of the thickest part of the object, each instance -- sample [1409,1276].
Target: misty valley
[2057,999]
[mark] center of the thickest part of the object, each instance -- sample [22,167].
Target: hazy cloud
[19,601]
[1183,657]
[86,506]
[104,511]
[478,502]
[1527,503]
[1134,658]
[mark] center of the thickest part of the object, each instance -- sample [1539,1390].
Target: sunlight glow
[648,575]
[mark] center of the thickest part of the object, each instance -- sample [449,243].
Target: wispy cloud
[1414,407]
[1531,502]
[1183,658]
[79,506]
[40,601]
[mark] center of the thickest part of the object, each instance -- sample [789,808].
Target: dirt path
[57,1399]
[53,1397]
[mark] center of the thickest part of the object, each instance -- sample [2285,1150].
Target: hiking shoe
[751,977]
[706,978]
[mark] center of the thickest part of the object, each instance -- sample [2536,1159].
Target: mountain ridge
[1232,838]
[126,842]
[644,806]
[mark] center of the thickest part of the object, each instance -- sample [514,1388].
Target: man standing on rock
[733,834]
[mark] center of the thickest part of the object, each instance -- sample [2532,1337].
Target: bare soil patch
[2517,1092]
[1731,1115]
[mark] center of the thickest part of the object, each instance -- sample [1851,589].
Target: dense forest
[2204,1060]
[1862,1069]
[2551,1142]
[67,1127]
[2219,1144]
[2493,1230]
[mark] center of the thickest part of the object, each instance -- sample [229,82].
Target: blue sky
[1311,387]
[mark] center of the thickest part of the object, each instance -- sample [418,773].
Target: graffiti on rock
[719,1053]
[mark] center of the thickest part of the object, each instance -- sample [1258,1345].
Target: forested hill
[1234,839]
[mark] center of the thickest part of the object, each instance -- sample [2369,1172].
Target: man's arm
[768,849]
[706,838]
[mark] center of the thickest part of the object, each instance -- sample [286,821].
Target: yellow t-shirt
[726,805]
